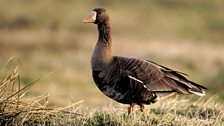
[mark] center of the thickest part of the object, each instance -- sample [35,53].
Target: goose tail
[197,89]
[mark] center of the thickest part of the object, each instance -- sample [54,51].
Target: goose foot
[142,107]
[131,108]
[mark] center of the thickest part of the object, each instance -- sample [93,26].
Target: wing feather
[158,78]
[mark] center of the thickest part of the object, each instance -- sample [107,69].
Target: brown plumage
[129,80]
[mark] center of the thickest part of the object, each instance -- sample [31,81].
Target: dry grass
[15,109]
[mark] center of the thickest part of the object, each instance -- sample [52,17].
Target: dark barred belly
[114,91]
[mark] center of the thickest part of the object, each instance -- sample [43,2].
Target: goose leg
[142,107]
[131,108]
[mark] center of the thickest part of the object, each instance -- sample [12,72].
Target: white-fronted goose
[128,80]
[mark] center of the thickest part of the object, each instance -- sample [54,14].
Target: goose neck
[102,53]
[104,32]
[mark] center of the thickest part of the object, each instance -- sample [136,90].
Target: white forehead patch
[93,13]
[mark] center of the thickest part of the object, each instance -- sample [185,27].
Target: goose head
[98,16]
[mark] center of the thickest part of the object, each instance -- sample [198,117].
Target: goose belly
[112,90]
[112,93]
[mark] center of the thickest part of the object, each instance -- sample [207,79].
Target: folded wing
[157,78]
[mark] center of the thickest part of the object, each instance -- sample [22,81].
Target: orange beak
[91,18]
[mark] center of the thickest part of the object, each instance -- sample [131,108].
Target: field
[46,39]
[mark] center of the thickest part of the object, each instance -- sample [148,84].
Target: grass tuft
[15,109]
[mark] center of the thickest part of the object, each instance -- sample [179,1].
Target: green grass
[167,112]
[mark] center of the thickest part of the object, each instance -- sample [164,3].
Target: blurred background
[48,35]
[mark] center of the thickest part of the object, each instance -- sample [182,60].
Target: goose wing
[157,78]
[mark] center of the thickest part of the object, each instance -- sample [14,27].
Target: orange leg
[131,108]
[142,108]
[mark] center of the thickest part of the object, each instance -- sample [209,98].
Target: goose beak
[91,18]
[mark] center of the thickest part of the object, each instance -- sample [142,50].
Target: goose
[132,81]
